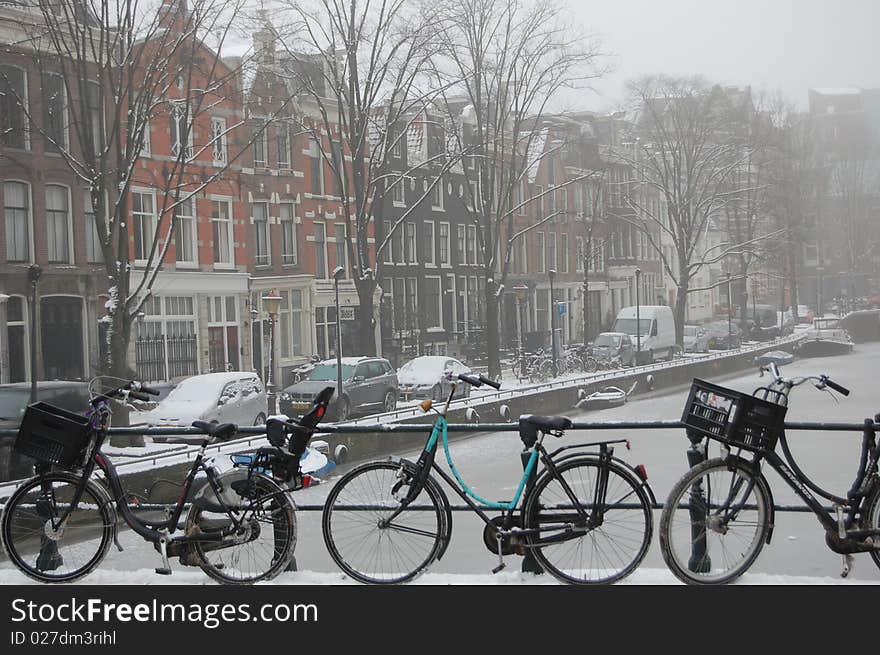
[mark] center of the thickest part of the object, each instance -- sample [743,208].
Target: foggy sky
[790,45]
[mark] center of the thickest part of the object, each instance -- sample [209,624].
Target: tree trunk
[492,335]
[366,330]
[117,366]
[680,309]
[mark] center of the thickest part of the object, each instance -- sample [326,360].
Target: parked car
[723,335]
[426,377]
[614,345]
[14,399]
[369,384]
[655,333]
[695,339]
[231,397]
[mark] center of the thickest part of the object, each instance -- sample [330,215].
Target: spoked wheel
[872,519]
[39,545]
[263,541]
[366,542]
[715,522]
[603,551]
[591,365]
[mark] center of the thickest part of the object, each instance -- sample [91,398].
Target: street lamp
[638,315]
[522,292]
[552,274]
[729,315]
[819,270]
[271,303]
[34,273]
[338,274]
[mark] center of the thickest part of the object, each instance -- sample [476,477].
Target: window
[218,140]
[397,193]
[579,248]
[54,112]
[94,251]
[397,245]
[185,231]
[472,245]
[290,324]
[261,233]
[410,243]
[325,331]
[437,196]
[221,231]
[460,245]
[13,103]
[475,202]
[95,114]
[317,167]
[387,255]
[261,146]
[222,333]
[282,138]
[341,245]
[539,201]
[444,244]
[564,253]
[524,254]
[144,222]
[551,251]
[433,306]
[542,256]
[412,302]
[428,235]
[397,145]
[17,339]
[338,169]
[181,132]
[288,234]
[16,212]
[321,251]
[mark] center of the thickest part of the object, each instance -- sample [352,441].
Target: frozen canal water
[490,463]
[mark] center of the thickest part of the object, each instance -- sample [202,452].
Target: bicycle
[586,515]
[58,525]
[720,514]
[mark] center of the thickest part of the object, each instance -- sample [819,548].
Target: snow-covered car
[233,397]
[696,339]
[614,346]
[428,377]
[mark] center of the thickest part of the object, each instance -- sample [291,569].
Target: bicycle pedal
[499,567]
[161,570]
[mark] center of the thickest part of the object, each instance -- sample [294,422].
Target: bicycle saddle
[545,423]
[217,430]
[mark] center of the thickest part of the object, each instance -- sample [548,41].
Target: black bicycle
[57,526]
[720,513]
[586,515]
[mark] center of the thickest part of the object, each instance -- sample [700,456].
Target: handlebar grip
[491,383]
[137,395]
[838,388]
[470,380]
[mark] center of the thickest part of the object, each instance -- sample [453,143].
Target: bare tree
[688,146]
[111,68]
[357,65]
[505,64]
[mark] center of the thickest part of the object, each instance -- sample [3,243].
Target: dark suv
[369,385]
[14,398]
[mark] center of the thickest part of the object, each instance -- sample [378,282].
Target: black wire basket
[735,418]
[53,435]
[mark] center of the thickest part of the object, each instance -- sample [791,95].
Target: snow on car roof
[215,380]
[346,361]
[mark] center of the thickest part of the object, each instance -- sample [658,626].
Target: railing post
[699,562]
[529,563]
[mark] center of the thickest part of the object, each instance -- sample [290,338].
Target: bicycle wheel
[591,365]
[715,522]
[872,518]
[43,550]
[371,551]
[602,554]
[263,543]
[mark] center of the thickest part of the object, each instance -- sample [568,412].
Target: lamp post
[638,315]
[271,303]
[552,274]
[729,315]
[34,273]
[338,274]
[521,292]
[819,270]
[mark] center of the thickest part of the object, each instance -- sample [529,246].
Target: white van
[657,328]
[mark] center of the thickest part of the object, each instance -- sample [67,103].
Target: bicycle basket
[738,419]
[52,434]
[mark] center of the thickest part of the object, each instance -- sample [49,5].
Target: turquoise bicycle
[586,516]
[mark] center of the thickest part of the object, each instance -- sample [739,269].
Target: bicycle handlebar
[822,381]
[838,388]
[479,381]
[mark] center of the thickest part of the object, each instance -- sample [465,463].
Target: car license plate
[302,406]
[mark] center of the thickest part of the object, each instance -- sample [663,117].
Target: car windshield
[628,325]
[13,403]
[324,372]
[607,340]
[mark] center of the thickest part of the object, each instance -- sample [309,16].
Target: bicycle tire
[729,550]
[602,555]
[61,557]
[373,554]
[591,365]
[266,552]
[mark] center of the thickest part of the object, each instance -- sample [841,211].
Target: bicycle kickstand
[847,565]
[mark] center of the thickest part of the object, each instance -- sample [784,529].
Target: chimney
[174,16]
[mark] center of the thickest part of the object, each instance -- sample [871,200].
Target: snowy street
[491,464]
